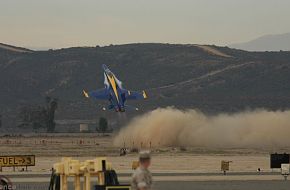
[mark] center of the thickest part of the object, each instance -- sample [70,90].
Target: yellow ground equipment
[106,177]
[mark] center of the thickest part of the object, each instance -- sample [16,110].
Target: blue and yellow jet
[114,92]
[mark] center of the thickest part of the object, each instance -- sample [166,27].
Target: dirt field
[50,148]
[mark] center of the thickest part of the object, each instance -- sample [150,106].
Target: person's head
[145,159]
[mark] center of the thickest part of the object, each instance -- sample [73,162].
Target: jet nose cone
[105,67]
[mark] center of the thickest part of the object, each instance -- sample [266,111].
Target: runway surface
[173,181]
[189,185]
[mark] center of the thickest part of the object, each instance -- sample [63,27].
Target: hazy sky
[63,23]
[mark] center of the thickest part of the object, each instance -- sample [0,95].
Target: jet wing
[131,95]
[102,94]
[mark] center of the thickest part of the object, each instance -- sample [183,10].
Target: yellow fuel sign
[19,160]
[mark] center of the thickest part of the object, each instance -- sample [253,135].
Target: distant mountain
[210,78]
[266,43]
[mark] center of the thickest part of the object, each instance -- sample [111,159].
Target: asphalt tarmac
[175,181]
[189,185]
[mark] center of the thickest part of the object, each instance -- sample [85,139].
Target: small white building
[84,127]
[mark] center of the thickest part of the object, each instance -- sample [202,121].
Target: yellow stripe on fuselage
[114,86]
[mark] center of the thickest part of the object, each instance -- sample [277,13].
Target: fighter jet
[115,93]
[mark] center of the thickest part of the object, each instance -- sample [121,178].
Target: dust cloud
[166,127]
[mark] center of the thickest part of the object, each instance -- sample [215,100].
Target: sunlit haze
[64,23]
